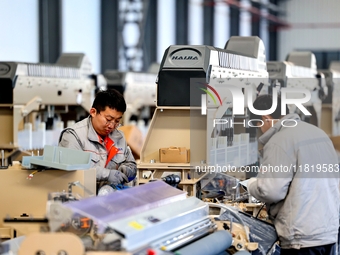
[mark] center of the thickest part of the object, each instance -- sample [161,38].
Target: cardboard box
[174,155]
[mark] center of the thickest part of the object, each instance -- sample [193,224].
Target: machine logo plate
[185,57]
[4,69]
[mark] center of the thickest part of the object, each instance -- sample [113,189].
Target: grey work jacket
[299,183]
[82,136]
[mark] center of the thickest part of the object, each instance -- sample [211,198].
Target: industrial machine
[153,218]
[59,174]
[231,139]
[300,71]
[330,116]
[196,78]
[39,96]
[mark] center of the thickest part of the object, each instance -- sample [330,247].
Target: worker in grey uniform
[98,134]
[298,179]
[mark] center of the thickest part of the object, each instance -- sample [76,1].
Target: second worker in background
[98,134]
[298,181]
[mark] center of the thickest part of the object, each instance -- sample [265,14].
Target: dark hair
[109,98]
[264,102]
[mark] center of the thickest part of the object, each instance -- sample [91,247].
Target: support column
[49,30]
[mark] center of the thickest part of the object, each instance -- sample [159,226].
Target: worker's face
[105,122]
[268,122]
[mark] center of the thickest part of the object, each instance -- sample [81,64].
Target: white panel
[315,25]
[245,18]
[222,24]
[19,31]
[196,22]
[165,26]
[81,29]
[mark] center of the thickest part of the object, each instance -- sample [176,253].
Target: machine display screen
[174,88]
